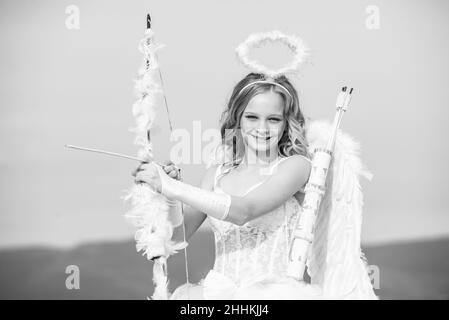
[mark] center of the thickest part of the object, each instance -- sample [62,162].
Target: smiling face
[263,123]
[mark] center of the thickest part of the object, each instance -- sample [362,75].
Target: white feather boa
[149,211]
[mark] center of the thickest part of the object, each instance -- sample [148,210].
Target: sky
[62,85]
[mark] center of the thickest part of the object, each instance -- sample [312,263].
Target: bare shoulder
[296,160]
[297,166]
[207,182]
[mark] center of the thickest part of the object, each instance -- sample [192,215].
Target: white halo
[294,43]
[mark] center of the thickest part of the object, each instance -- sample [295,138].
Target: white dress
[251,260]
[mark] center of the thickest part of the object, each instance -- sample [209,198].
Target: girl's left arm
[289,177]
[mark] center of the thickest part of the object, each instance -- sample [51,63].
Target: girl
[251,200]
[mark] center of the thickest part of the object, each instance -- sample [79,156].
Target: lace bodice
[260,246]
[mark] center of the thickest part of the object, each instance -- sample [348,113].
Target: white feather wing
[336,262]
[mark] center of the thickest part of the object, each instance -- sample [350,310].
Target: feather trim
[149,212]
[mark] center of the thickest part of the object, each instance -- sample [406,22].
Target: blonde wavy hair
[293,140]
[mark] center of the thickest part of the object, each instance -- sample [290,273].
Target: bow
[149,208]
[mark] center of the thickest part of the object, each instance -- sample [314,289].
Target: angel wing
[335,259]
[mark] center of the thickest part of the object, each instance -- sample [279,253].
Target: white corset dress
[251,260]
[257,248]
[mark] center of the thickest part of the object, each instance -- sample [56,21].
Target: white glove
[214,204]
